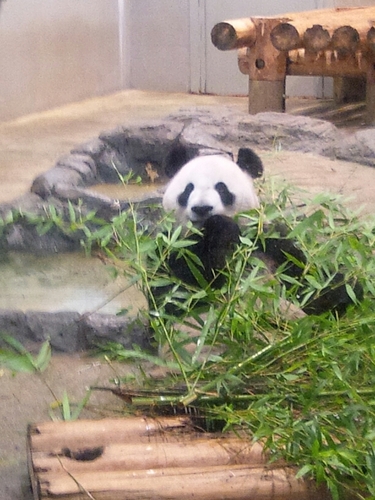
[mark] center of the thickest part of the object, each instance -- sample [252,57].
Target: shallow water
[128,192]
[64,282]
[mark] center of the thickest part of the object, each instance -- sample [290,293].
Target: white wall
[57,51]
[159,48]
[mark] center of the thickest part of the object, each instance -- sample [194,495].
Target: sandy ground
[30,145]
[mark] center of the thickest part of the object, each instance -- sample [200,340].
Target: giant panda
[209,190]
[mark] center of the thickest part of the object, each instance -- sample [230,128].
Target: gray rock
[81,163]
[358,148]
[62,329]
[111,165]
[22,237]
[267,131]
[294,133]
[92,148]
[101,328]
[14,323]
[69,331]
[144,147]
[45,183]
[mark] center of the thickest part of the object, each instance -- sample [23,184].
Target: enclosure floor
[31,144]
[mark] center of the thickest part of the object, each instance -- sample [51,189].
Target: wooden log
[290,29]
[53,436]
[370,94]
[171,464]
[285,37]
[154,455]
[345,40]
[238,482]
[233,34]
[324,24]
[316,38]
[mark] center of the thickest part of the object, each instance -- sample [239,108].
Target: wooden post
[267,71]
[370,94]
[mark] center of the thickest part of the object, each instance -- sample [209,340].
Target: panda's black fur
[209,190]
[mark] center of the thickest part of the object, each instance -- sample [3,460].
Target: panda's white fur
[206,172]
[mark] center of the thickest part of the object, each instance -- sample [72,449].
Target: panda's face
[209,185]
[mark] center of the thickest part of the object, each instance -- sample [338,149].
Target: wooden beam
[302,63]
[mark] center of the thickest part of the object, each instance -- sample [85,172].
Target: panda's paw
[220,237]
[221,231]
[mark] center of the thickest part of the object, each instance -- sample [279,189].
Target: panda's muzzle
[202,211]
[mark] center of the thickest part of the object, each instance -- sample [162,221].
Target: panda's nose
[202,210]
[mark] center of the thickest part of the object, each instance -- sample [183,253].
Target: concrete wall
[57,51]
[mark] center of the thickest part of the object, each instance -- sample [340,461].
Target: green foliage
[19,359]
[304,385]
[68,410]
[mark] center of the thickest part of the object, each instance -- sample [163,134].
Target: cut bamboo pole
[154,455]
[239,482]
[109,459]
[53,436]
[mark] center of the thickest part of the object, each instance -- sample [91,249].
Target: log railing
[329,42]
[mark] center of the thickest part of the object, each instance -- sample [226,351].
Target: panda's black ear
[176,158]
[250,162]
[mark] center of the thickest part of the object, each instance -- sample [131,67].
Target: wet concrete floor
[31,145]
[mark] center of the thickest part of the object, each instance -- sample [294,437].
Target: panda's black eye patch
[226,196]
[184,196]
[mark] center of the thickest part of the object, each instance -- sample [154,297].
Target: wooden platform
[330,42]
[153,458]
